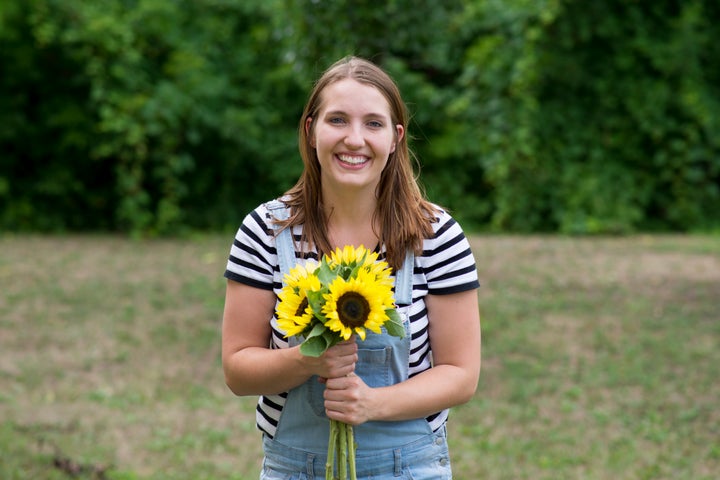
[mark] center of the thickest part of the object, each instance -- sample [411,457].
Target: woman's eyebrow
[383,116]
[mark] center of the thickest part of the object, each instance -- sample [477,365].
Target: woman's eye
[337,120]
[375,124]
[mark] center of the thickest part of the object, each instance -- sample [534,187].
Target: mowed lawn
[601,360]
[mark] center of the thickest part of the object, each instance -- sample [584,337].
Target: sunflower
[362,259]
[381,270]
[354,305]
[294,313]
[350,256]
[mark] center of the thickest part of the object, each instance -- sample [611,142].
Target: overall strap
[404,280]
[283,238]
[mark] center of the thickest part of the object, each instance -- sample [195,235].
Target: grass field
[601,360]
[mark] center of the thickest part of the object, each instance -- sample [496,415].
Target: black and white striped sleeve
[253,256]
[449,262]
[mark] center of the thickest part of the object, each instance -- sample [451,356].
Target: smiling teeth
[351,159]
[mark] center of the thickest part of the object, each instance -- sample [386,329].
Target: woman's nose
[354,137]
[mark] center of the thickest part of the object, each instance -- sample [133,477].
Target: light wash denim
[385,450]
[424,459]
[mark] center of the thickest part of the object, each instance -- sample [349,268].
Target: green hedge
[153,117]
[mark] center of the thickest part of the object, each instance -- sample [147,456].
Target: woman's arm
[251,367]
[455,341]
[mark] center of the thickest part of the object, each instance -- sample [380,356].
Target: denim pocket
[270,473]
[373,366]
[435,465]
[436,469]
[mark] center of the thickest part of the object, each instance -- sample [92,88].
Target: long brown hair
[403,213]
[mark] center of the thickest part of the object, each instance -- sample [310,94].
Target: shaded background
[156,117]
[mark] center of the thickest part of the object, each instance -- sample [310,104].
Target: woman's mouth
[352,159]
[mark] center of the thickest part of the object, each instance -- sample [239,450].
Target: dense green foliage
[151,116]
[602,116]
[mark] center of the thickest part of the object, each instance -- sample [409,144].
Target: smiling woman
[357,193]
[353,138]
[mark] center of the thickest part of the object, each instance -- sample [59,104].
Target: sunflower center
[301,308]
[353,309]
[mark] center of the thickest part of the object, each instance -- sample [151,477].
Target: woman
[357,188]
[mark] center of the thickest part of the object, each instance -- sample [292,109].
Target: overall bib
[385,450]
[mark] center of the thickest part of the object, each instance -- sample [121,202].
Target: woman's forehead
[350,96]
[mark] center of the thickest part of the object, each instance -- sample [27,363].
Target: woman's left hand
[348,399]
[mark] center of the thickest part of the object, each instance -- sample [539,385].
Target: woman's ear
[399,133]
[308,131]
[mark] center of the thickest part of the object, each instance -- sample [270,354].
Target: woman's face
[353,135]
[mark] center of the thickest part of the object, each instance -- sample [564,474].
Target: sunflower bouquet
[348,292]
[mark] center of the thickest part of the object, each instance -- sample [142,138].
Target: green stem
[338,450]
[332,445]
[351,452]
[342,457]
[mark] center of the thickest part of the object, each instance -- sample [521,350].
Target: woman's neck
[350,219]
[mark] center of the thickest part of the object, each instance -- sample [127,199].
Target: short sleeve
[253,257]
[448,262]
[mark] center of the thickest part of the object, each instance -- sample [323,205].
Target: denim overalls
[385,450]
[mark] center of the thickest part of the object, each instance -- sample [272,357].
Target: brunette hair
[403,213]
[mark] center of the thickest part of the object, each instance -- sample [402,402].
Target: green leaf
[394,324]
[346,271]
[314,346]
[325,274]
[331,337]
[317,330]
[316,302]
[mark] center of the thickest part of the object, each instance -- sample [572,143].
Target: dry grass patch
[600,360]
[599,357]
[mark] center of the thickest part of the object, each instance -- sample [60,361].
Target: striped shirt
[446,266]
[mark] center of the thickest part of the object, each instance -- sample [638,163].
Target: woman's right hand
[337,361]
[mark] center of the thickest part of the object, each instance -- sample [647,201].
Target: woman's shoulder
[267,212]
[439,211]
[447,260]
[443,220]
